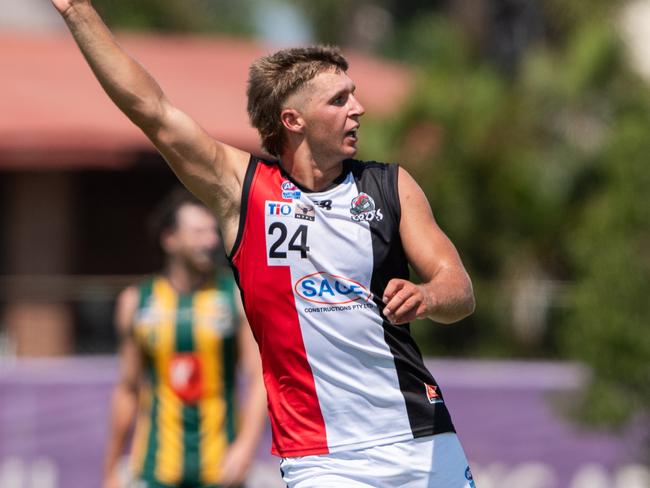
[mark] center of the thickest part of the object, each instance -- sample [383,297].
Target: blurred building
[29,16]
[77,179]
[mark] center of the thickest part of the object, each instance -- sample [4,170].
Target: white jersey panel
[341,326]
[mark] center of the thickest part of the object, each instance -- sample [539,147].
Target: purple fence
[53,423]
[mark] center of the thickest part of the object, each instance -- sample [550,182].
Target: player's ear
[292,120]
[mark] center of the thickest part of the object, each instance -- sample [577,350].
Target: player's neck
[182,278]
[315,173]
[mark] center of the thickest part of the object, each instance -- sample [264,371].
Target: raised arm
[213,171]
[445,294]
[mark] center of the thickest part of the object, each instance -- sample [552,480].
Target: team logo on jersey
[362,208]
[279,209]
[432,393]
[304,211]
[290,191]
[185,377]
[329,289]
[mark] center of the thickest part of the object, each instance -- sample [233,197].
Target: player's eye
[340,99]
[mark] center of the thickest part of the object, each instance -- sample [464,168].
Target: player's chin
[350,150]
[203,265]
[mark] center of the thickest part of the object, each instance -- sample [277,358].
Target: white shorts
[428,462]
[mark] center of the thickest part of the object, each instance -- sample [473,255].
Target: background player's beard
[201,261]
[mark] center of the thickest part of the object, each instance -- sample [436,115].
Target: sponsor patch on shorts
[469,477]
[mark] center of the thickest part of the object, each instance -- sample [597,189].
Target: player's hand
[235,464]
[63,5]
[405,301]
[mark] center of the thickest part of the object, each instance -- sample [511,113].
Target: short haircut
[165,215]
[274,78]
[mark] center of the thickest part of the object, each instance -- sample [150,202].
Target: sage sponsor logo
[328,289]
[339,308]
[362,208]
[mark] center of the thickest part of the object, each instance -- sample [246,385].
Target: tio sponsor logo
[289,190]
[281,209]
[329,289]
[362,208]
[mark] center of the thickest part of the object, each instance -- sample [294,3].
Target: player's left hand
[405,301]
[235,464]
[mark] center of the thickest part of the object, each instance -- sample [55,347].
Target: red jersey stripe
[296,418]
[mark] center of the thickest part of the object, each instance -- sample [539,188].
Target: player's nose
[357,109]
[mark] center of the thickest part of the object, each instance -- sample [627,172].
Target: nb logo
[325,204]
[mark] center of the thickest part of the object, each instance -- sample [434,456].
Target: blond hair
[273,78]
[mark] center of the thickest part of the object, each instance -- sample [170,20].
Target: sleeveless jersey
[185,421]
[312,268]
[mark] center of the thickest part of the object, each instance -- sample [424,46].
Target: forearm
[123,411]
[125,81]
[449,297]
[253,415]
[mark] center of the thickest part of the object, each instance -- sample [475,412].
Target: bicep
[427,248]
[210,169]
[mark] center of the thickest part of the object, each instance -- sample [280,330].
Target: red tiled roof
[53,113]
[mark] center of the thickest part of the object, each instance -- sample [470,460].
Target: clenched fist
[405,301]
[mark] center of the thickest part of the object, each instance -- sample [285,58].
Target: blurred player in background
[321,245]
[182,333]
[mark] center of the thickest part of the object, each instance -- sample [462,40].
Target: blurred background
[527,123]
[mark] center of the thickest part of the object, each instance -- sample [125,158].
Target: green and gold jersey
[185,421]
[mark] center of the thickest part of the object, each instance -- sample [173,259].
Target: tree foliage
[541,181]
[225,16]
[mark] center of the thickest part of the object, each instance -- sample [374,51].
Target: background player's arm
[125,394]
[445,294]
[252,417]
[210,169]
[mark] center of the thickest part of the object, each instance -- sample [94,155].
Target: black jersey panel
[427,416]
[377,181]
